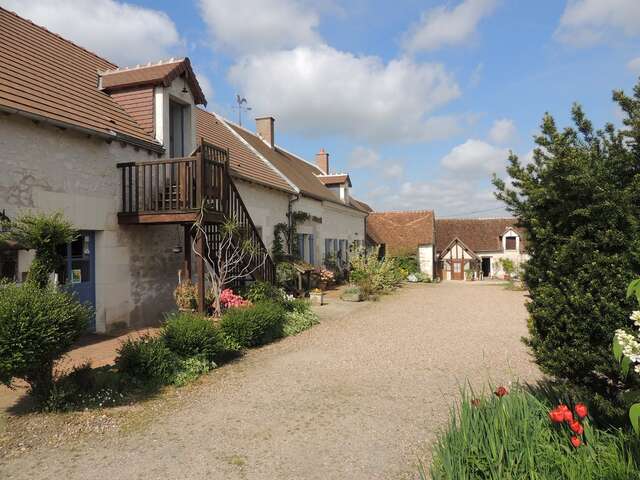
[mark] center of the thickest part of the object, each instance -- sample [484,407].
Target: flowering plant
[626,350]
[186,295]
[563,415]
[228,299]
[325,275]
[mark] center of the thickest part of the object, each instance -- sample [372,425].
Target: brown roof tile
[402,232]
[334,179]
[299,172]
[46,76]
[243,162]
[162,73]
[479,234]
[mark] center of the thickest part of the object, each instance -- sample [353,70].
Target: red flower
[563,408]
[556,415]
[501,392]
[576,427]
[581,410]
[576,442]
[475,402]
[568,416]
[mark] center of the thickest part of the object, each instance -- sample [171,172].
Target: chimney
[265,130]
[322,161]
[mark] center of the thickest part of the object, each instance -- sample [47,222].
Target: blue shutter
[327,248]
[312,250]
[301,246]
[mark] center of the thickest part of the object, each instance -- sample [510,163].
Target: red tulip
[563,408]
[576,442]
[576,427]
[568,416]
[556,415]
[501,392]
[581,410]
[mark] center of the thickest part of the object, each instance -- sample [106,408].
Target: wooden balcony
[172,190]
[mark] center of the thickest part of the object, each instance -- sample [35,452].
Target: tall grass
[512,438]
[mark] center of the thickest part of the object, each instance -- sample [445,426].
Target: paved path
[357,397]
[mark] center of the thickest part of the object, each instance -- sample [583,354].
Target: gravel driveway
[359,396]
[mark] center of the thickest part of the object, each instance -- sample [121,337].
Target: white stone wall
[496,269]
[48,169]
[425,258]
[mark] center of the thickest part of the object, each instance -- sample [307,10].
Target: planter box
[351,297]
[316,298]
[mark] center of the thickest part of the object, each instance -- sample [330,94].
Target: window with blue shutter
[312,250]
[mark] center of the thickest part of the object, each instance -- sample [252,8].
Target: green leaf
[634,289]
[634,416]
[626,363]
[617,350]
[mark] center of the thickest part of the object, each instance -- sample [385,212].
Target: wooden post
[200,245]
[186,267]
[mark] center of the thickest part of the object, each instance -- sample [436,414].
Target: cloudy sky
[420,101]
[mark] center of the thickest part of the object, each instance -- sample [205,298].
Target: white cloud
[320,90]
[393,170]
[634,65]
[205,85]
[362,157]
[442,26]
[475,157]
[476,75]
[587,22]
[248,26]
[123,33]
[503,131]
[447,196]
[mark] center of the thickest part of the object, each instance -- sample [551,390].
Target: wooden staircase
[173,191]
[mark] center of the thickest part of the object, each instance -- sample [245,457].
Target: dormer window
[177,112]
[510,243]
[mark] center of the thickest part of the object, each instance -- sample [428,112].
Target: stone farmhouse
[129,155]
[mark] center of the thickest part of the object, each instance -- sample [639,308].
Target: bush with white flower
[626,350]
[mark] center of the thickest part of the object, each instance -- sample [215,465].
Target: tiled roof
[45,76]
[299,172]
[479,234]
[243,161]
[162,73]
[402,231]
[334,179]
[360,205]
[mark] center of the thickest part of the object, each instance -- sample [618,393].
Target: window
[176,129]
[510,243]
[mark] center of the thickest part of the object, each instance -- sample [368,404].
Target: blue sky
[418,100]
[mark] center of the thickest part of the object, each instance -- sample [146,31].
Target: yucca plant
[512,437]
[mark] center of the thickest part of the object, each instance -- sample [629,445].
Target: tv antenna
[242,106]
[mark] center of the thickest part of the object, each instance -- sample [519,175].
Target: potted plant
[316,296]
[186,296]
[352,294]
[326,278]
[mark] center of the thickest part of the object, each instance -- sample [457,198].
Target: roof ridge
[404,211]
[477,218]
[11,12]
[140,67]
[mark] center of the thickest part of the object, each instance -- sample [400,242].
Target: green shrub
[297,321]
[579,203]
[286,275]
[148,359]
[37,326]
[512,437]
[297,305]
[255,325]
[264,292]
[372,274]
[409,263]
[191,368]
[190,334]
[43,233]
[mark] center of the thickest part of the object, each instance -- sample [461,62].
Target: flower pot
[322,285]
[316,298]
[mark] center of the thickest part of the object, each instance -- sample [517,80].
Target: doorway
[457,269]
[78,272]
[486,267]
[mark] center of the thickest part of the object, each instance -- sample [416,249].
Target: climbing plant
[284,236]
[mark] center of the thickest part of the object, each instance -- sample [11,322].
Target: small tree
[37,326]
[231,257]
[579,201]
[43,233]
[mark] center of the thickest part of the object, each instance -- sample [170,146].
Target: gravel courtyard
[360,396]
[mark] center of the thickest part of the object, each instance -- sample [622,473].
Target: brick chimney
[322,161]
[265,129]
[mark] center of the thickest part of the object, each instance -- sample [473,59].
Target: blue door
[79,270]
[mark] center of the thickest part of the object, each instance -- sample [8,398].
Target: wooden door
[457,269]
